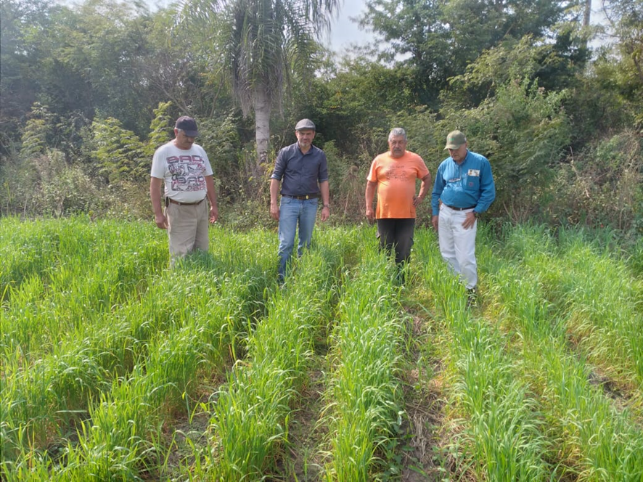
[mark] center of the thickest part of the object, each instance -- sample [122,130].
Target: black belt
[459,209]
[186,204]
[301,198]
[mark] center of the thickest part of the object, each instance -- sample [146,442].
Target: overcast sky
[345,32]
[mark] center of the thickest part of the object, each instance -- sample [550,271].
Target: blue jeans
[291,213]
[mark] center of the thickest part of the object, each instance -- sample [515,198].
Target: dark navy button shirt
[300,173]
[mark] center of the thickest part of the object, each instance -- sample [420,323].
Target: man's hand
[161,221]
[417,200]
[325,213]
[434,220]
[214,214]
[469,220]
[274,211]
[369,195]
[370,215]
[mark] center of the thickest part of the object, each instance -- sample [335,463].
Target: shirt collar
[463,160]
[312,147]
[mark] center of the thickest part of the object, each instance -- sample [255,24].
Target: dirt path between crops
[422,430]
[302,460]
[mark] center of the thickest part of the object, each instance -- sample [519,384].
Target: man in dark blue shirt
[465,186]
[303,169]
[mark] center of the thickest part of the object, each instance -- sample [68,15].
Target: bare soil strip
[424,435]
[303,457]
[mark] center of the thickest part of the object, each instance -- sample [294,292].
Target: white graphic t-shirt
[183,171]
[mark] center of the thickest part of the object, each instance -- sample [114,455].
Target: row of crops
[547,375]
[116,368]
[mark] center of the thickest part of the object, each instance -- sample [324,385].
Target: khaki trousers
[187,229]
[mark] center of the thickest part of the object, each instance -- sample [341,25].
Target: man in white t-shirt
[185,169]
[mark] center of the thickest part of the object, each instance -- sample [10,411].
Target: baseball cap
[305,124]
[455,139]
[188,125]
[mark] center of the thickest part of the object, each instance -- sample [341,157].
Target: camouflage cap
[455,139]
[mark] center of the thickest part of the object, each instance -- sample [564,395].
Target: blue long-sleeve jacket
[469,184]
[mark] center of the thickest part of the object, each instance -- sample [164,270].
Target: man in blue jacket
[465,186]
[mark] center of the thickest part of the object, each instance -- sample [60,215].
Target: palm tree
[262,42]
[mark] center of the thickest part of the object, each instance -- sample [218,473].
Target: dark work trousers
[397,234]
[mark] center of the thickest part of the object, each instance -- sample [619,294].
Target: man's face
[182,141]
[397,146]
[459,154]
[305,137]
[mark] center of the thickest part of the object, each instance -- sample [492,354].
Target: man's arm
[274,198]
[155,195]
[487,189]
[325,194]
[371,187]
[212,197]
[487,195]
[438,187]
[424,188]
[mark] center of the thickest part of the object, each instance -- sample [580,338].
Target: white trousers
[458,245]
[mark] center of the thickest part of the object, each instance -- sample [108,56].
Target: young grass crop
[252,412]
[502,433]
[601,298]
[363,396]
[37,398]
[595,295]
[103,348]
[85,270]
[594,439]
[163,380]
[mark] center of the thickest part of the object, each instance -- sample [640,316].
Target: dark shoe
[472,297]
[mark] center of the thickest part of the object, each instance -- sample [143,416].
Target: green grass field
[114,367]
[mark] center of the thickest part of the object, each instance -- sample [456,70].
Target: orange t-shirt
[395,180]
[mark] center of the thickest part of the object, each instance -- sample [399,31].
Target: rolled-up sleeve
[280,166]
[323,169]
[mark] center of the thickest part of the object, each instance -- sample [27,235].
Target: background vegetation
[90,90]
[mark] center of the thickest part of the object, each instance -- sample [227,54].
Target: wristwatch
[327,206]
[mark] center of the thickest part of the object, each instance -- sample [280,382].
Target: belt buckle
[306,197]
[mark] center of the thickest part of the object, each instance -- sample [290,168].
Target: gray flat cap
[305,124]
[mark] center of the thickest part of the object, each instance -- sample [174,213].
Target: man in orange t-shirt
[393,174]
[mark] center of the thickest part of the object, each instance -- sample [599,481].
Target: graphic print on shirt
[188,173]
[398,172]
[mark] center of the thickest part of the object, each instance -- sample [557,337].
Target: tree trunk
[262,128]
[588,11]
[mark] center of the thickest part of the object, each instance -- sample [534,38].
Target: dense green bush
[561,130]
[602,184]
